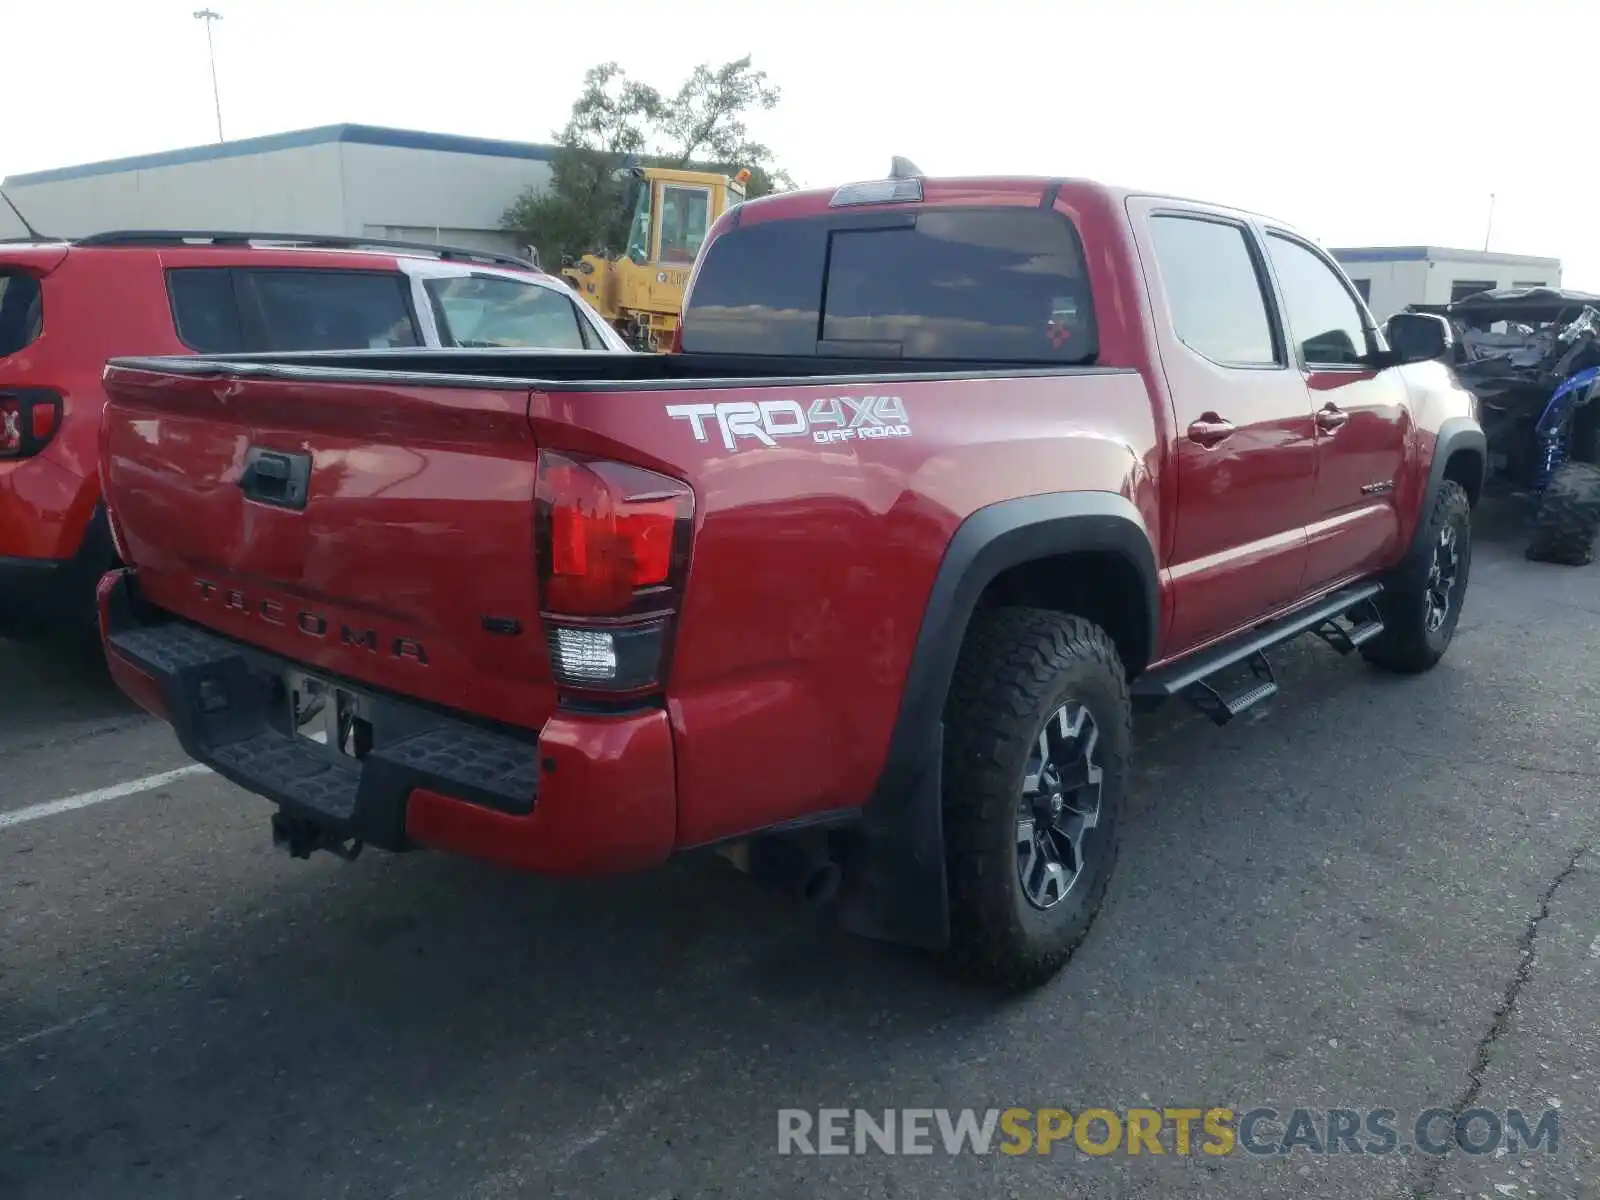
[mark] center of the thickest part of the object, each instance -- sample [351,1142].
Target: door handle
[276,478]
[1210,429]
[1330,417]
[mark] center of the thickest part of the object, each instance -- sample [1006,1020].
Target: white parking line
[62,1027]
[50,808]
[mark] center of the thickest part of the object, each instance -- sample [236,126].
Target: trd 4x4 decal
[829,419]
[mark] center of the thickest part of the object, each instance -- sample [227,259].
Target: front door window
[685,217]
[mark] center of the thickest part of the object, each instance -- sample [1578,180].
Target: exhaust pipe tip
[799,867]
[823,885]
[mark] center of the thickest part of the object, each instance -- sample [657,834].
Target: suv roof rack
[317,241]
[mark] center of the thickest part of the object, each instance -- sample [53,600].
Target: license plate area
[335,718]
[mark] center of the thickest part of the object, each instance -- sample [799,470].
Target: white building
[356,180]
[1392,277]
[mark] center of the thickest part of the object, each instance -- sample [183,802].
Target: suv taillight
[611,544]
[29,418]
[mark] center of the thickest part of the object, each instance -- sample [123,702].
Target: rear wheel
[1037,734]
[1568,519]
[1421,600]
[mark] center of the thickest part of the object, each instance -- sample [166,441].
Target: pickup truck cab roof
[1096,215]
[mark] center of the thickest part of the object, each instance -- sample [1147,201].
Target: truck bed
[411,567]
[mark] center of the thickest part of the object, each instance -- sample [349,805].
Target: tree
[706,119]
[617,122]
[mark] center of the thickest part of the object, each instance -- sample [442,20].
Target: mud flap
[894,887]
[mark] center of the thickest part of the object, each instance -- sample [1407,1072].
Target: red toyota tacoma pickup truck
[861,586]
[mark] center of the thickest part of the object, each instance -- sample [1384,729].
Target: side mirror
[1418,337]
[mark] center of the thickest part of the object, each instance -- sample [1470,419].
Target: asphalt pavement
[1382,894]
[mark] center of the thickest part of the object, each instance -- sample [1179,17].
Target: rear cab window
[224,310]
[980,285]
[21,311]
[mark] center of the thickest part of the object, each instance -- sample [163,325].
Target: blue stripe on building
[363,135]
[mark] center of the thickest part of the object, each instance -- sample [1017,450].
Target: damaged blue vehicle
[1532,358]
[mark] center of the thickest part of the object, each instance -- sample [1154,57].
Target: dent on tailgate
[410,562]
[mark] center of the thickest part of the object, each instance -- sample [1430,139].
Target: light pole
[208,16]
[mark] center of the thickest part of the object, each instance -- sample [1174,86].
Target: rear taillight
[29,418]
[612,550]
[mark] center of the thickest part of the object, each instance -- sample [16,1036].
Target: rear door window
[222,310]
[958,285]
[330,310]
[1215,291]
[21,311]
[205,310]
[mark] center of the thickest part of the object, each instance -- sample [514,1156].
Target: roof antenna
[903,168]
[32,232]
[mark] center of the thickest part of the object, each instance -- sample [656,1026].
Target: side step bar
[1210,700]
[1366,623]
[1346,620]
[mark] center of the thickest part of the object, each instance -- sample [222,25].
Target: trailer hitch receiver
[301,838]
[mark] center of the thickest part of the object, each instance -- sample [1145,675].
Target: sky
[1362,123]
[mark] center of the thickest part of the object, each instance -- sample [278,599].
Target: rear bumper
[56,593]
[587,795]
[43,508]
[29,586]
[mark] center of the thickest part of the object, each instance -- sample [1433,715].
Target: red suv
[68,306]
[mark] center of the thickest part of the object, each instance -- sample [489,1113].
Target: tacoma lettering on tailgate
[311,623]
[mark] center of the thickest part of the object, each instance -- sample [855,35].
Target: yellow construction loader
[641,293]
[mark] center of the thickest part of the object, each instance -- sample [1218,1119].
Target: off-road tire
[1568,519]
[1407,645]
[1017,667]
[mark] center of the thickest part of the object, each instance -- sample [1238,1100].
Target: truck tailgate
[379,532]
